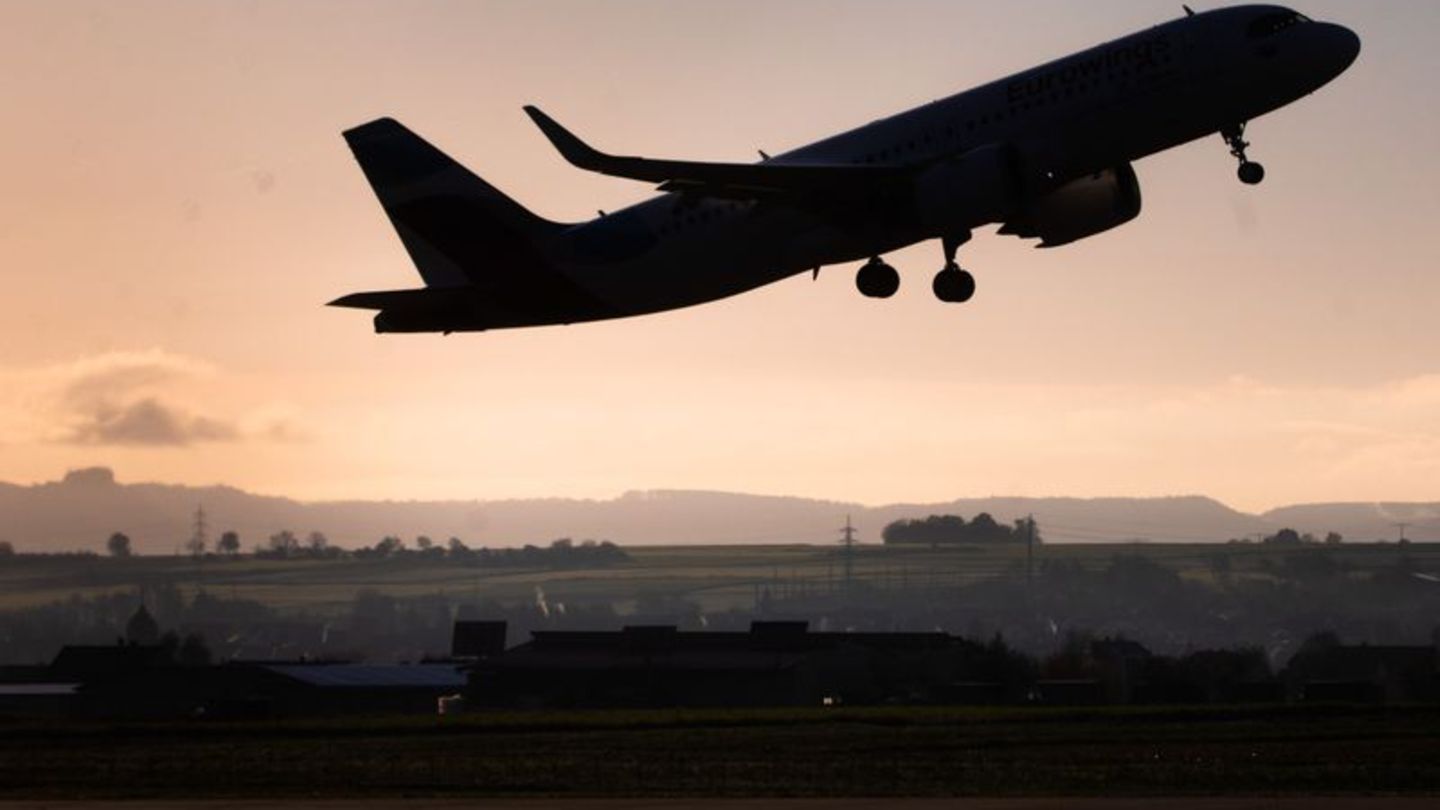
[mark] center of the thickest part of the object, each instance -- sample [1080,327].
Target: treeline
[286,545]
[941,530]
[562,553]
[1290,537]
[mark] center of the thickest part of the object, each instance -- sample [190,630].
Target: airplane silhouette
[1046,153]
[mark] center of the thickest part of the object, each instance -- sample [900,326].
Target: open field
[878,752]
[714,577]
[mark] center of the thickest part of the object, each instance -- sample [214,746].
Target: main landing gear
[1251,174]
[952,284]
[877,279]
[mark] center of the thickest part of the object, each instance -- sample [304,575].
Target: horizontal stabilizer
[393,299]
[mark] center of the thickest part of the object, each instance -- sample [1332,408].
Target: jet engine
[1084,207]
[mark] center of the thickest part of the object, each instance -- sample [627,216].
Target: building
[773,664]
[145,681]
[1365,674]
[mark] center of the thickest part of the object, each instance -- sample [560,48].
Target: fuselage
[1115,103]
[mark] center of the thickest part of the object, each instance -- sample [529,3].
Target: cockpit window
[1274,22]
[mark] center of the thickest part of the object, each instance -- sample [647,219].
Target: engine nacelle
[1093,204]
[978,187]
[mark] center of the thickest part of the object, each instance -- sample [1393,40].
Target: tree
[284,543]
[229,544]
[142,627]
[1284,537]
[423,542]
[390,545]
[1334,539]
[938,530]
[193,652]
[1025,530]
[6,549]
[457,546]
[985,529]
[118,545]
[317,543]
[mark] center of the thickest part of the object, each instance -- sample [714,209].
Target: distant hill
[1362,521]
[82,510]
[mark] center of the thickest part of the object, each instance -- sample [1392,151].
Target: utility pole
[1402,527]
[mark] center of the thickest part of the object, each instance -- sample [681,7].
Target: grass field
[714,577]
[879,752]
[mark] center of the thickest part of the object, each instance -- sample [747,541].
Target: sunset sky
[178,205]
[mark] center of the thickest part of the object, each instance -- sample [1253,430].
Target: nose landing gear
[1250,173]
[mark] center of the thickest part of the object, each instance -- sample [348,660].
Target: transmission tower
[849,555]
[199,538]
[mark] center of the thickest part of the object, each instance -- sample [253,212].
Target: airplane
[1047,154]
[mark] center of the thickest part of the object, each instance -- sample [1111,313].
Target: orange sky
[179,205]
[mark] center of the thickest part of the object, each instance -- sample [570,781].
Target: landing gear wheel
[877,280]
[953,285]
[1252,174]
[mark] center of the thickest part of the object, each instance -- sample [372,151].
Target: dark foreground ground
[1337,752]
[959,803]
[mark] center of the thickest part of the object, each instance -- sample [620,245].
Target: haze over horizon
[87,506]
[180,205]
[116,477]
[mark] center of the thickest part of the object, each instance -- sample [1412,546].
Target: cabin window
[1267,25]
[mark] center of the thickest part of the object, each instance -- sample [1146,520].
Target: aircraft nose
[1342,47]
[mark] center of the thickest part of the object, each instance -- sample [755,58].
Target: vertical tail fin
[458,229]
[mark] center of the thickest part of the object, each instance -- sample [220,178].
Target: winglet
[570,147]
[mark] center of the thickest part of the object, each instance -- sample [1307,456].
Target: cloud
[130,399]
[151,423]
[93,381]
[148,398]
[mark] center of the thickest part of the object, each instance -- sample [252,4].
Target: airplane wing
[726,180]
